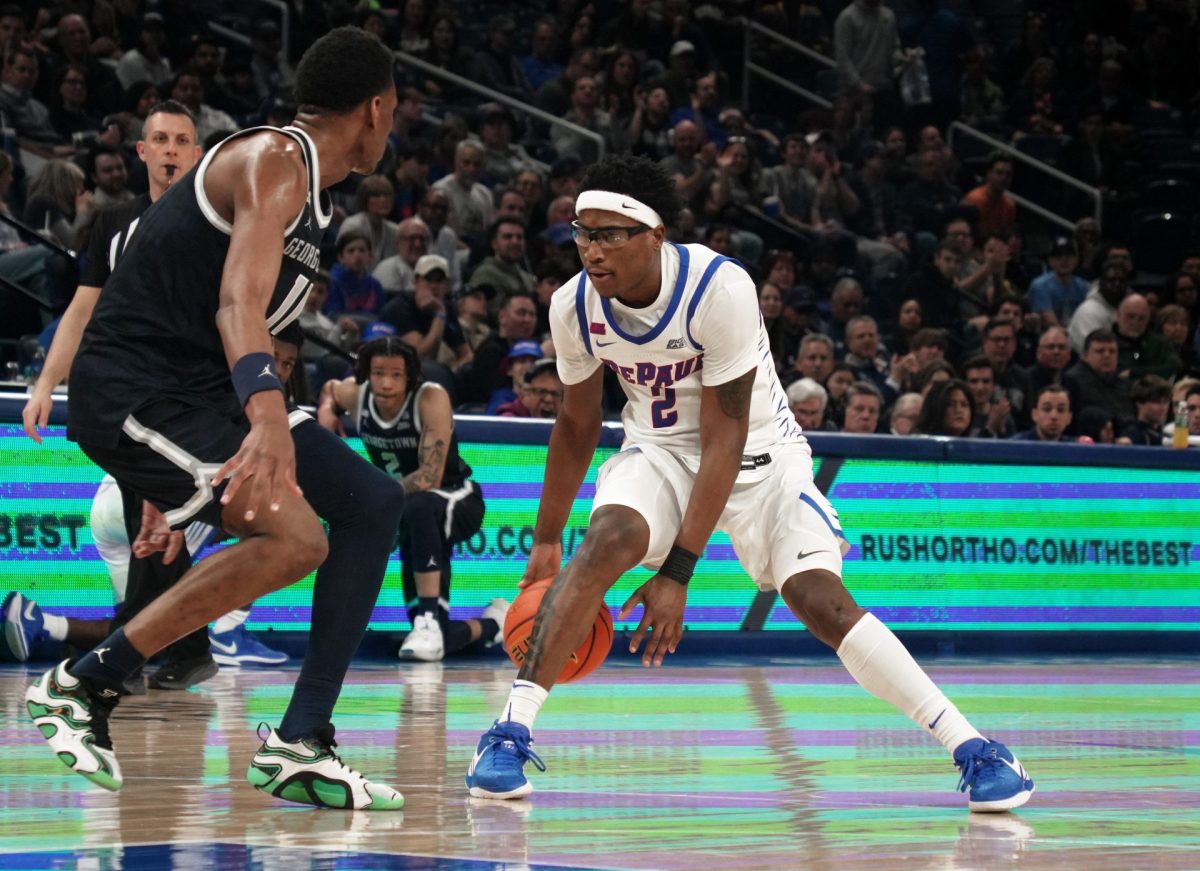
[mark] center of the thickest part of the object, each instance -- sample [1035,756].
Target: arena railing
[959,128]
[285,29]
[516,105]
[749,29]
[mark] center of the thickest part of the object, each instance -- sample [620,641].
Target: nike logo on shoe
[935,719]
[224,648]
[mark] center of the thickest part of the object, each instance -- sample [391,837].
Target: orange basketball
[518,626]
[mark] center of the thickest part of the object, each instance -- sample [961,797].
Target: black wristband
[679,565]
[254,373]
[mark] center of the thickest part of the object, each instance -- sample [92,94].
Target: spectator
[555,240]
[1094,380]
[502,159]
[863,405]
[807,400]
[317,325]
[631,28]
[1174,325]
[139,99]
[410,177]
[413,32]
[146,63]
[701,109]
[1039,106]
[541,394]
[1096,426]
[650,125]
[997,210]
[620,87]
[680,78]
[27,115]
[1051,415]
[373,203]
[929,345]
[187,88]
[845,303]
[982,99]
[1191,398]
[929,199]
[815,358]
[511,206]
[68,107]
[863,356]
[517,320]
[905,414]
[74,45]
[896,167]
[433,210]
[879,219]
[1140,351]
[585,112]
[909,322]
[446,52]
[540,66]
[946,411]
[992,417]
[58,203]
[1000,347]
[496,66]
[689,164]
[554,96]
[1092,155]
[471,306]
[109,176]
[502,269]
[1152,405]
[471,209]
[1087,244]
[934,289]
[272,73]
[867,47]
[1056,293]
[790,183]
[519,359]
[934,372]
[395,273]
[1053,357]
[352,290]
[837,384]
[739,176]
[1099,308]
[423,320]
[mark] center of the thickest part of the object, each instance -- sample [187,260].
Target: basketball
[518,626]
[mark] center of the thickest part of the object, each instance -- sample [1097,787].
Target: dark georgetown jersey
[112,231]
[392,444]
[154,334]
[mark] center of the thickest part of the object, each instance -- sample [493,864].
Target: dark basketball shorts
[168,453]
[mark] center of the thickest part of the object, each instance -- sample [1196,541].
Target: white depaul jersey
[704,329]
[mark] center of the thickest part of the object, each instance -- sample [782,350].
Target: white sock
[524,702]
[230,621]
[55,626]
[884,668]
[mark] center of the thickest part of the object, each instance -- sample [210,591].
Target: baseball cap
[525,348]
[429,263]
[153,19]
[682,47]
[467,289]
[801,299]
[377,330]
[1062,245]
[548,365]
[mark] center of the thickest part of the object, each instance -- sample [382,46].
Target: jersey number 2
[391,464]
[662,410]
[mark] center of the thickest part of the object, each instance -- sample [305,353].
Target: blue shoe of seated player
[991,776]
[23,625]
[239,647]
[497,771]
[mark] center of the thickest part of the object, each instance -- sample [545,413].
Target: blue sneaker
[23,625]
[496,771]
[239,647]
[991,776]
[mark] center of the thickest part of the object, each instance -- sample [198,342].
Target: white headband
[622,204]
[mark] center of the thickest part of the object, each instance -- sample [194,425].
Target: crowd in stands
[904,289]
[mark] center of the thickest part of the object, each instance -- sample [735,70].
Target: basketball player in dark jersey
[175,394]
[407,427]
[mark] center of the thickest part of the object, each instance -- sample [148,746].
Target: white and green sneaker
[309,772]
[74,721]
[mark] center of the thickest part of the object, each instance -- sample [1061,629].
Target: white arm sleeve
[726,325]
[575,364]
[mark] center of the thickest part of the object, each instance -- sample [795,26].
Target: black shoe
[183,673]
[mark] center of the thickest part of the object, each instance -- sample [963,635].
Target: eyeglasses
[544,392]
[607,238]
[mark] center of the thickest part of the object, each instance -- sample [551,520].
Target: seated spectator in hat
[1051,414]
[993,411]
[1141,351]
[1094,379]
[520,357]
[423,320]
[863,404]
[541,393]
[1152,404]
[352,290]
[471,305]
[503,269]
[517,321]
[905,412]
[373,203]
[395,273]
[1056,293]
[807,400]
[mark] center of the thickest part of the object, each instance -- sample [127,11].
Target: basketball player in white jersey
[710,443]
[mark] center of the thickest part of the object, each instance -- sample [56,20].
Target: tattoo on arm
[734,396]
[431,459]
[547,616]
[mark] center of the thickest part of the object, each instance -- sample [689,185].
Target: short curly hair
[636,177]
[341,70]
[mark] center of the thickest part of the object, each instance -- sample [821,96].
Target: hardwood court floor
[765,763]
